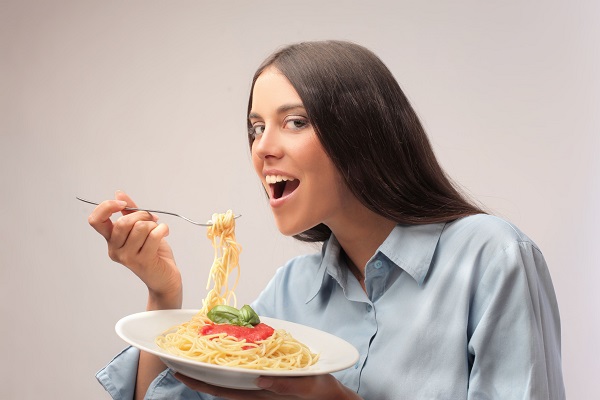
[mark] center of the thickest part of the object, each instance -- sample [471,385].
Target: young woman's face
[304,186]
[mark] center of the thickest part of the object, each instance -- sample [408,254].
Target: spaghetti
[279,351]
[227,257]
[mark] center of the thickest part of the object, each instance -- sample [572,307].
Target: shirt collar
[410,247]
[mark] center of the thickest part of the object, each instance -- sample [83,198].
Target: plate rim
[313,370]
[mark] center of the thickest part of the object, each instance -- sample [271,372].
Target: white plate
[140,330]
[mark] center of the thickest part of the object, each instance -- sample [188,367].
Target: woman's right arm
[138,242]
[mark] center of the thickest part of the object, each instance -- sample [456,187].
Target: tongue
[290,186]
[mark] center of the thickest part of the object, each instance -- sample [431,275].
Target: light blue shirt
[462,310]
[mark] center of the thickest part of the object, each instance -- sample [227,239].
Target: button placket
[376,277]
[371,331]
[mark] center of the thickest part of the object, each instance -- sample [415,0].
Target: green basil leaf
[249,316]
[223,314]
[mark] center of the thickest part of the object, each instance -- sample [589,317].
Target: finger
[123,226]
[120,195]
[221,392]
[320,386]
[138,235]
[296,386]
[99,219]
[153,240]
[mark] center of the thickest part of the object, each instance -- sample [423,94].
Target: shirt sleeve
[514,329]
[119,376]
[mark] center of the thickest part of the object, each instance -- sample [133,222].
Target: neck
[359,236]
[358,274]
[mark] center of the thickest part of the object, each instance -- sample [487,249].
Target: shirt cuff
[119,376]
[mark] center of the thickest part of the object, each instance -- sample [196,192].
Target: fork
[208,223]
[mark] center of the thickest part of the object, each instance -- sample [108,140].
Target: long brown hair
[370,131]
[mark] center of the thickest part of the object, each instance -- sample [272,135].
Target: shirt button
[369,307]
[378,264]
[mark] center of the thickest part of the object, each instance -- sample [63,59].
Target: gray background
[149,97]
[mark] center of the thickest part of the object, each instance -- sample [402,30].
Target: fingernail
[264,383]
[121,203]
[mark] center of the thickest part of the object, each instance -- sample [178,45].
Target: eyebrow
[281,109]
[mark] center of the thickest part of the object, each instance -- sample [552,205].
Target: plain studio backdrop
[150,97]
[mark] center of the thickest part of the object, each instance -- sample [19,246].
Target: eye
[296,123]
[256,130]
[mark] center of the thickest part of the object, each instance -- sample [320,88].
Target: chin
[289,229]
[288,232]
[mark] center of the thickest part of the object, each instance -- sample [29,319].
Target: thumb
[120,195]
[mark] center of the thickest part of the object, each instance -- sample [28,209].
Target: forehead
[272,88]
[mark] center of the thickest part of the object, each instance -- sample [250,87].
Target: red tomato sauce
[252,335]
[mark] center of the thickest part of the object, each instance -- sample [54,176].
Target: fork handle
[130,208]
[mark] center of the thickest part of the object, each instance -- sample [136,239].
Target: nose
[268,144]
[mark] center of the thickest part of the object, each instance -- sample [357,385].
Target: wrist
[164,301]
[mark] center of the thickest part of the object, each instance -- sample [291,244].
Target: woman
[441,300]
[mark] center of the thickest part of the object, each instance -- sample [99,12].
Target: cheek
[322,166]
[330,180]
[257,164]
[314,157]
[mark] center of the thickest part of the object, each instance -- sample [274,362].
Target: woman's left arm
[514,329]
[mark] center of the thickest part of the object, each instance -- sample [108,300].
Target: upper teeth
[278,178]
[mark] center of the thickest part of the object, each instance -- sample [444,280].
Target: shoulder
[481,245]
[486,229]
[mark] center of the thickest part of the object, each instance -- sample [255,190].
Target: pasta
[227,257]
[279,351]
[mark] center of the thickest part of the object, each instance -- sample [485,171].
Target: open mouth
[281,185]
